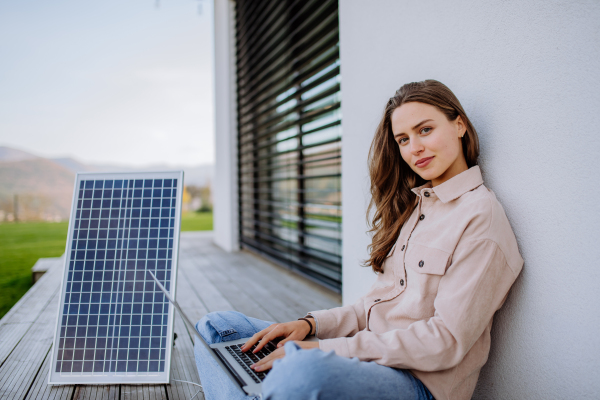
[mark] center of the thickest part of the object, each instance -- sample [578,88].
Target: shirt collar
[456,186]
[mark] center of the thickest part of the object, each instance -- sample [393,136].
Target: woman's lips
[423,162]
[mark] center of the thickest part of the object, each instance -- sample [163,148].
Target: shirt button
[403,246]
[377,300]
[422,217]
[401,282]
[426,194]
[421,263]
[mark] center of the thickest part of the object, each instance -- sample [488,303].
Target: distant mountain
[200,175]
[44,187]
[41,189]
[73,165]
[10,154]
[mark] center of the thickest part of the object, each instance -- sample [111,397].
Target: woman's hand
[293,330]
[267,362]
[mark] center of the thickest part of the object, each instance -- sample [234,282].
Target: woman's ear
[461,127]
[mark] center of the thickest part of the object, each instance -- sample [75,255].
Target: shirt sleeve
[340,321]
[472,289]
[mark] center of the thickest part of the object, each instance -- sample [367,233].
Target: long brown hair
[391,178]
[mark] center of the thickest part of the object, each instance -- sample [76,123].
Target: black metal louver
[289,134]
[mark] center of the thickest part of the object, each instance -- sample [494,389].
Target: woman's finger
[267,362]
[256,337]
[274,333]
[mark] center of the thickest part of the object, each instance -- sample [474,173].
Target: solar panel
[114,325]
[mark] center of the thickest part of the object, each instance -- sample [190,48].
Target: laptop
[229,355]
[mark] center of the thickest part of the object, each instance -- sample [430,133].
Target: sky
[111,81]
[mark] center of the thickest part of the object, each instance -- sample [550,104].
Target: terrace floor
[210,279]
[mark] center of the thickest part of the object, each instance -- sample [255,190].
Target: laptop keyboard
[248,358]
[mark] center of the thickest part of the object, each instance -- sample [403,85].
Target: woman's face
[428,142]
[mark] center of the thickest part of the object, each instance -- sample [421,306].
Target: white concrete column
[224,95]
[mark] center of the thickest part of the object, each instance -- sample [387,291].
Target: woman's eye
[402,140]
[426,130]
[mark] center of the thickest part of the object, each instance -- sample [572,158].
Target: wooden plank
[304,290]
[52,392]
[149,392]
[82,392]
[187,297]
[183,366]
[93,392]
[278,308]
[287,276]
[96,392]
[37,387]
[21,370]
[10,336]
[296,305]
[188,363]
[234,293]
[256,279]
[175,390]
[23,365]
[271,286]
[58,392]
[132,392]
[212,299]
[111,392]
[141,392]
[206,290]
[40,389]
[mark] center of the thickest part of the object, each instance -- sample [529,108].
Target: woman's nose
[416,147]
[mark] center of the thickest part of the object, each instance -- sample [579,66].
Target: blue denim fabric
[301,374]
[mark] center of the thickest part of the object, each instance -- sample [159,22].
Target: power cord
[191,383]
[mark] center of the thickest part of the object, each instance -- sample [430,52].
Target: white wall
[225,183]
[527,74]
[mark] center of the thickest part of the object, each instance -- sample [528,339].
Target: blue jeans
[301,374]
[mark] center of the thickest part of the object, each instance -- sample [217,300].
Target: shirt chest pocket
[426,260]
[425,267]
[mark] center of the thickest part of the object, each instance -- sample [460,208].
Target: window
[289,134]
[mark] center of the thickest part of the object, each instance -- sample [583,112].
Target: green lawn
[197,221]
[20,247]
[22,244]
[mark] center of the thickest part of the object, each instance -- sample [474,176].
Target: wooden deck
[209,280]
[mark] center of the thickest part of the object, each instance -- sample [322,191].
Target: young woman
[445,258]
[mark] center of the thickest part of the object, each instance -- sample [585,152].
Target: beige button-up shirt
[431,309]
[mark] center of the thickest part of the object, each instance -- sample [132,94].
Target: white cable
[195,394]
[191,383]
